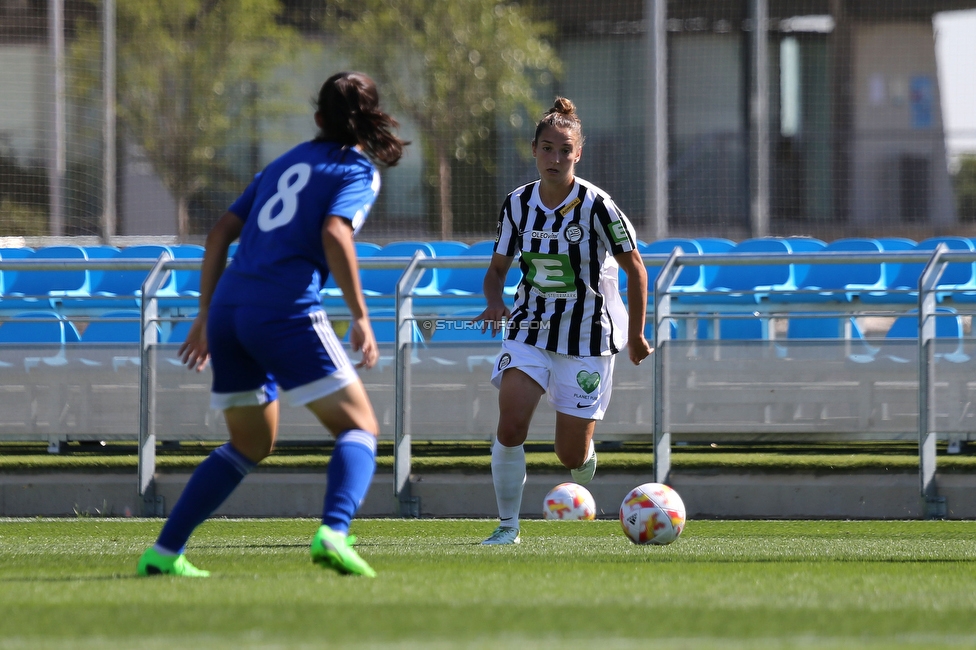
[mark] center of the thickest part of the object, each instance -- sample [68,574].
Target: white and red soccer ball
[569,501]
[652,513]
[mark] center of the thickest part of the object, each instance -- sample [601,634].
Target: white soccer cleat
[584,473]
[503,535]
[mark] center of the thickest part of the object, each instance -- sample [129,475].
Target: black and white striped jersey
[568,300]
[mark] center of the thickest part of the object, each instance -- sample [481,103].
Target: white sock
[508,476]
[165,551]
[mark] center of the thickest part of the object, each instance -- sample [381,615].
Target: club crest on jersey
[504,361]
[573,233]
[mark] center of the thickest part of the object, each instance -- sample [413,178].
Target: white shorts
[578,386]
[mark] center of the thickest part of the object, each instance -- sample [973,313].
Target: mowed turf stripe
[569,584]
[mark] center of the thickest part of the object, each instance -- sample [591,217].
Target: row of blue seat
[123,327]
[116,327]
[877,282]
[83,289]
[871,283]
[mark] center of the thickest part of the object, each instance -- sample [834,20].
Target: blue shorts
[254,348]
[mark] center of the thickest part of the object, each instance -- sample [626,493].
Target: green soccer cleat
[153,563]
[584,473]
[334,550]
[502,536]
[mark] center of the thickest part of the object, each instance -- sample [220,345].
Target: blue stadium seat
[747,284]
[109,344]
[445,248]
[114,327]
[38,327]
[448,248]
[839,282]
[384,327]
[97,254]
[818,326]
[691,278]
[725,327]
[806,332]
[122,289]
[470,281]
[177,331]
[804,245]
[47,328]
[9,277]
[383,282]
[948,326]
[363,250]
[713,245]
[38,289]
[187,282]
[379,285]
[958,276]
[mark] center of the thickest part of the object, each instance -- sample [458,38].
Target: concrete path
[707,494]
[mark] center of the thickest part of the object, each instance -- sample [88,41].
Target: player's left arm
[621,241]
[340,253]
[632,264]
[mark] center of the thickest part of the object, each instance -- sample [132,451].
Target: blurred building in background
[802,117]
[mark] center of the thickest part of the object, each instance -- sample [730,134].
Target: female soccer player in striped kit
[568,319]
[262,325]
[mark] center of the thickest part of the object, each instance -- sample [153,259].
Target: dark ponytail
[348,107]
[562,115]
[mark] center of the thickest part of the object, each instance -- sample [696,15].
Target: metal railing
[662,310]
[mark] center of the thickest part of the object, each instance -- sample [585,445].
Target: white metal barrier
[934,395]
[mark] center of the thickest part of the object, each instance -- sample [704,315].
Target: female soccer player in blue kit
[261,322]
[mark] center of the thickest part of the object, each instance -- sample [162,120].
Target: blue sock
[212,482]
[350,474]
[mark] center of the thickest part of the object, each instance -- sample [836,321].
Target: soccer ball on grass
[569,501]
[652,513]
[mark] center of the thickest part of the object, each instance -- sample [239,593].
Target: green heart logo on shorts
[588,381]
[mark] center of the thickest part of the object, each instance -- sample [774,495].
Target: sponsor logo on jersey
[504,361]
[498,231]
[618,232]
[588,381]
[573,233]
[553,295]
[543,234]
[566,209]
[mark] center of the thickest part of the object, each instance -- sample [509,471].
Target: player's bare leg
[518,397]
[574,446]
[253,429]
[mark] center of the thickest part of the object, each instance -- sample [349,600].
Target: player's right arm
[494,286]
[340,253]
[194,351]
[494,283]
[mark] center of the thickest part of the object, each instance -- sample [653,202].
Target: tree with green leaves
[453,67]
[965,185]
[188,78]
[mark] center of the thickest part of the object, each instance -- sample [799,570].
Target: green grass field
[71,583]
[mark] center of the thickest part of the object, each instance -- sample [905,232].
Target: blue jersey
[280,261]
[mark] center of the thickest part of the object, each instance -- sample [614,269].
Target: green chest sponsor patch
[588,381]
[549,272]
